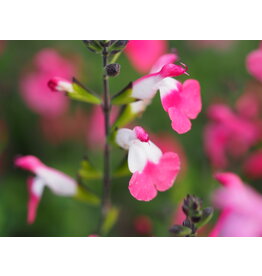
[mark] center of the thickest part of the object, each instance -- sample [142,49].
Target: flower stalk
[106,110]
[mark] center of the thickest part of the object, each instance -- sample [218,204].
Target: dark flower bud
[112,70]
[180,231]
[93,46]
[207,214]
[192,206]
[118,46]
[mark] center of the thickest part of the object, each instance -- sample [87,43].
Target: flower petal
[137,156]
[163,60]
[35,189]
[141,185]
[180,121]
[191,98]
[166,171]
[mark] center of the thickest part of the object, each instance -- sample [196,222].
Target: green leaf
[180,230]
[83,94]
[83,194]
[110,220]
[88,171]
[125,116]
[122,169]
[207,214]
[124,96]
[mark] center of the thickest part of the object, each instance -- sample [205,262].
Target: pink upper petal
[254,64]
[163,60]
[180,121]
[144,53]
[28,162]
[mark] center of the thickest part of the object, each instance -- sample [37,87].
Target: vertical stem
[106,110]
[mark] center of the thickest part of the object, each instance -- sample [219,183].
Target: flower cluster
[152,170]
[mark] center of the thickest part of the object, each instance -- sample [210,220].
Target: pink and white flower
[182,102]
[144,53]
[240,205]
[58,182]
[152,170]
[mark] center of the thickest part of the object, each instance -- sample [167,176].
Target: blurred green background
[221,73]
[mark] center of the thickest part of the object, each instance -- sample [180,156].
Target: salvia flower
[58,84]
[58,182]
[182,102]
[152,170]
[240,206]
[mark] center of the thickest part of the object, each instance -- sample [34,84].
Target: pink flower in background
[59,183]
[253,165]
[254,63]
[143,225]
[65,127]
[38,97]
[152,170]
[241,208]
[96,130]
[144,53]
[228,134]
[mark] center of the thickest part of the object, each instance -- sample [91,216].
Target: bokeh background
[62,142]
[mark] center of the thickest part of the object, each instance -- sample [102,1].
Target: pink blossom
[143,225]
[152,170]
[228,133]
[182,102]
[58,182]
[38,97]
[253,165]
[144,53]
[254,63]
[240,206]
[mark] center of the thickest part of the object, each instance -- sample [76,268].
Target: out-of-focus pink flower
[47,63]
[253,165]
[240,206]
[144,53]
[143,226]
[254,63]
[65,127]
[152,170]
[220,45]
[228,134]
[59,183]
[95,132]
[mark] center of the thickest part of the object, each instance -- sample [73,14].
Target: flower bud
[180,231]
[112,70]
[118,45]
[192,207]
[93,46]
[60,85]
